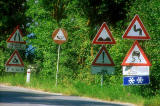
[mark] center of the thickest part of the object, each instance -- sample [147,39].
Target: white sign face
[14,69]
[16,46]
[104,36]
[14,60]
[102,70]
[136,56]
[135,70]
[17,37]
[103,58]
[60,36]
[136,30]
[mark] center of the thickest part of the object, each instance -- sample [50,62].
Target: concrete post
[28,75]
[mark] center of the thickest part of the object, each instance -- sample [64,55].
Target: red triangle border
[104,25]
[15,52]
[136,64]
[147,37]
[99,64]
[8,40]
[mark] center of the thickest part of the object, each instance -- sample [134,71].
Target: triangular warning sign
[60,35]
[15,60]
[103,58]
[136,57]
[104,36]
[136,30]
[16,36]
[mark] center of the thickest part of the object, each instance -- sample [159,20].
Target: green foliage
[11,15]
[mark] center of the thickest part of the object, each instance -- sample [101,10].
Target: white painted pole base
[28,75]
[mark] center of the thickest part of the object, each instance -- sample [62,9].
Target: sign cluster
[15,41]
[136,64]
[103,63]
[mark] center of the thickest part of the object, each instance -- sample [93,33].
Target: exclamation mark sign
[103,57]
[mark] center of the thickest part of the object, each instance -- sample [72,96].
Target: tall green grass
[115,92]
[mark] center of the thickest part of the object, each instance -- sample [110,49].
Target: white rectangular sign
[135,70]
[18,46]
[14,69]
[102,69]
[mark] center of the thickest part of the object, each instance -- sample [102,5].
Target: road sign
[102,70]
[103,58]
[14,69]
[15,41]
[104,36]
[135,70]
[136,80]
[59,36]
[15,63]
[136,30]
[136,57]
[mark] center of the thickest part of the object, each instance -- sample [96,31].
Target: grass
[79,88]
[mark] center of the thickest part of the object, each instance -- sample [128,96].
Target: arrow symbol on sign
[137,29]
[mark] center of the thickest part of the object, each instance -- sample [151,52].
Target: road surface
[17,96]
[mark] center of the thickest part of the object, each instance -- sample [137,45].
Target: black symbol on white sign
[136,54]
[137,30]
[17,34]
[102,39]
[60,37]
[15,60]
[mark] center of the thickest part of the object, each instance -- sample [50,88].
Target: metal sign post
[102,76]
[58,64]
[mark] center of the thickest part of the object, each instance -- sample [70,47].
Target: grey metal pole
[57,64]
[102,79]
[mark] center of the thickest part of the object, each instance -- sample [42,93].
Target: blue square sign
[136,80]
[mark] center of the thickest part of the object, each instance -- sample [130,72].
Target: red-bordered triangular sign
[16,36]
[136,57]
[103,58]
[15,60]
[136,30]
[103,36]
